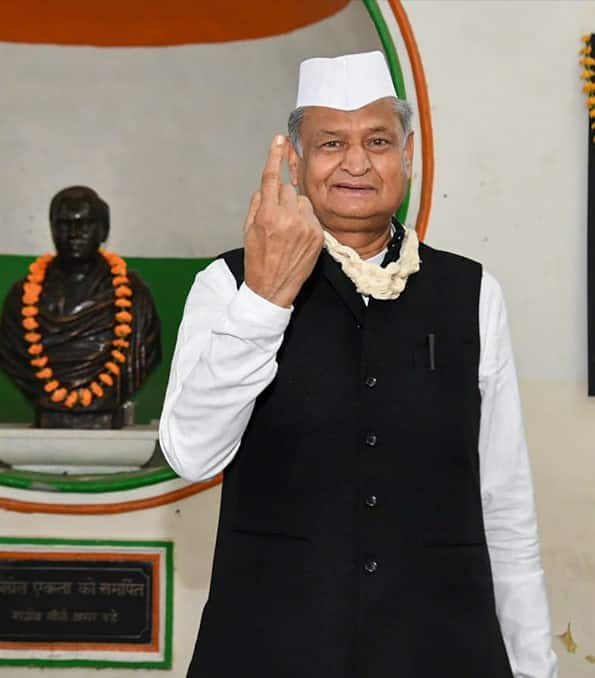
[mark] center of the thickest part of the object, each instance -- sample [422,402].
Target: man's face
[354,167]
[76,233]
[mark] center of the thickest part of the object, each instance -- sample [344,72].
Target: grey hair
[402,109]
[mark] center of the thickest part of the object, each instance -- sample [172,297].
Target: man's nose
[356,160]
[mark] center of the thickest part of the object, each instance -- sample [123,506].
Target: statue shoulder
[138,285]
[144,305]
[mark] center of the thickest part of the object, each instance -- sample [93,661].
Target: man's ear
[293,161]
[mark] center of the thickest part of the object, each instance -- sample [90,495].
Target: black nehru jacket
[351,541]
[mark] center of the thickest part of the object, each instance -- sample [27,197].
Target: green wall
[169,280]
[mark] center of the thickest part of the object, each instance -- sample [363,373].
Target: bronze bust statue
[80,333]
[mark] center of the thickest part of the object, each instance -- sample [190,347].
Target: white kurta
[226,356]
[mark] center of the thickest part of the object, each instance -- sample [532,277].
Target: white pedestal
[77,451]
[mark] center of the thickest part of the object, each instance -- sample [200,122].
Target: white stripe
[136,494]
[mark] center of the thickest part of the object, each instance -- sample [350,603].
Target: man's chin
[360,207]
[359,214]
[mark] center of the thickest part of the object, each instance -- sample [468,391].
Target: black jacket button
[370,382]
[371,501]
[370,566]
[371,440]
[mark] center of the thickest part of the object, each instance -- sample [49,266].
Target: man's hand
[282,236]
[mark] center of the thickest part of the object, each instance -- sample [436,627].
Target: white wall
[511,173]
[173,138]
[511,162]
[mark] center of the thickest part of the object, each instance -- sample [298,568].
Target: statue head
[79,220]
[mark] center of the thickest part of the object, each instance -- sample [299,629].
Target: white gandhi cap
[346,82]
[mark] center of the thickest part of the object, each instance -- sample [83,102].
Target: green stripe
[404,208]
[116,482]
[72,663]
[388,45]
[397,75]
[169,606]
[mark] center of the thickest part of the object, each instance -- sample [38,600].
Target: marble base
[79,451]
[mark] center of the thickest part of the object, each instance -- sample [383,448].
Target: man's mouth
[354,189]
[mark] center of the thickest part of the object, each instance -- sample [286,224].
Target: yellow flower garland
[32,290]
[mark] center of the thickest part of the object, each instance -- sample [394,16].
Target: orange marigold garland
[123,317]
[588,75]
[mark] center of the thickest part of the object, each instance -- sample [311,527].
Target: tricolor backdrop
[167,110]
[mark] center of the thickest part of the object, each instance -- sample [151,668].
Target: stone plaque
[85,603]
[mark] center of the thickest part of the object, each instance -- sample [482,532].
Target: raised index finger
[271,175]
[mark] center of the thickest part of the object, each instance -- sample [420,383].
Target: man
[78,312]
[362,399]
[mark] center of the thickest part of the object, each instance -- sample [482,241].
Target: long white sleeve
[508,501]
[224,358]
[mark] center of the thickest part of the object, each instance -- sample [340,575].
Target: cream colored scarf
[370,279]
